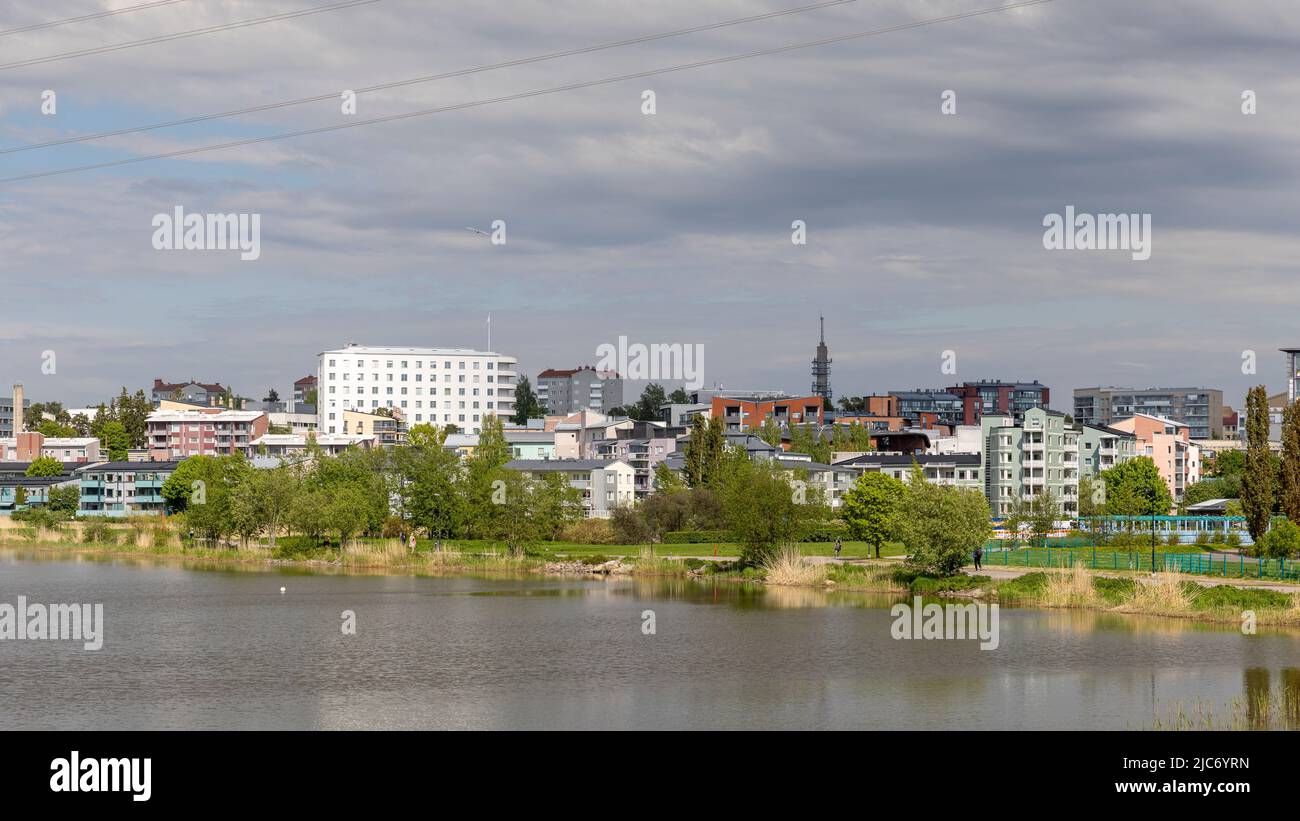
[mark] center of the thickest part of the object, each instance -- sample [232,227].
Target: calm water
[195,648]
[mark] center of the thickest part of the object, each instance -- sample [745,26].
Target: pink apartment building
[1169,445]
[175,434]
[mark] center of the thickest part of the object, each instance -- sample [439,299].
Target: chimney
[18,409]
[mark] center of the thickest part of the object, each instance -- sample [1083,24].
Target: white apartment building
[438,386]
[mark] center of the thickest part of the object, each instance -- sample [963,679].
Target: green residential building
[1024,459]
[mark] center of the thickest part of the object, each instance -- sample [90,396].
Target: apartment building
[387,430]
[605,485]
[441,386]
[176,434]
[961,470]
[643,454]
[943,406]
[1022,460]
[302,389]
[1201,409]
[30,445]
[296,444]
[987,396]
[1168,443]
[208,394]
[124,488]
[579,436]
[1102,448]
[740,413]
[584,388]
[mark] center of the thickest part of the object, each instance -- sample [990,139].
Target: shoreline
[869,576]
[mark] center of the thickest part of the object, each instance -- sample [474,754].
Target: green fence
[1202,564]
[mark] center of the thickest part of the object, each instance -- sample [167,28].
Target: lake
[188,648]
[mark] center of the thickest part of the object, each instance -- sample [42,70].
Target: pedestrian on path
[979,554]
[838,547]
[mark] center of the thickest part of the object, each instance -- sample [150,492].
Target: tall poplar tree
[1291,462]
[1257,481]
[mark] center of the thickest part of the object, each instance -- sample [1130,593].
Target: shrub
[628,525]
[827,532]
[697,536]
[1234,540]
[98,532]
[1202,539]
[1173,540]
[1282,542]
[591,531]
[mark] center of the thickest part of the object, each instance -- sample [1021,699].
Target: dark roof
[130,467]
[159,385]
[905,459]
[1108,429]
[553,373]
[36,481]
[559,464]
[20,467]
[306,380]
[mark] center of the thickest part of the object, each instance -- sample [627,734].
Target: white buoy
[281,591]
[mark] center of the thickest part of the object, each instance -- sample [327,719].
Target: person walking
[979,554]
[838,547]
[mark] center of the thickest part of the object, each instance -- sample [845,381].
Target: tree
[770,432]
[679,397]
[1135,488]
[1257,480]
[647,407]
[272,396]
[762,507]
[429,490]
[704,451]
[527,405]
[942,525]
[20,496]
[310,397]
[45,466]
[1290,484]
[53,430]
[1044,508]
[1089,505]
[667,480]
[64,499]
[114,438]
[870,508]
[1229,463]
[1282,542]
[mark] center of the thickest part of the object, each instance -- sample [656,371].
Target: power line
[166,38]
[334,95]
[95,16]
[522,95]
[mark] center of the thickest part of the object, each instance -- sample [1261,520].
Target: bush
[1202,539]
[697,537]
[1282,542]
[628,525]
[827,532]
[1173,540]
[929,585]
[1218,537]
[592,531]
[98,532]
[1234,540]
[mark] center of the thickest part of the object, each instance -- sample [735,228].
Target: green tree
[761,507]
[942,525]
[115,439]
[870,508]
[1229,463]
[770,432]
[64,499]
[1135,488]
[1089,503]
[53,430]
[1257,480]
[527,405]
[679,397]
[1044,510]
[704,452]
[652,399]
[1290,484]
[429,491]
[1282,542]
[20,496]
[45,466]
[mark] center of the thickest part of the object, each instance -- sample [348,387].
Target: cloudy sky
[924,230]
